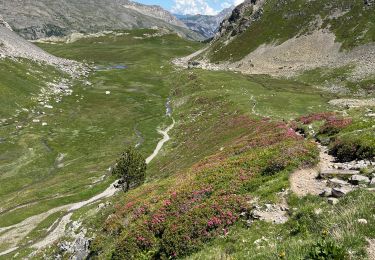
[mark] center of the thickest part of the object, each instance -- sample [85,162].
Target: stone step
[330,173]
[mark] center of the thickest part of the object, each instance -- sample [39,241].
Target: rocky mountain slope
[285,38]
[45,18]
[156,12]
[206,25]
[14,46]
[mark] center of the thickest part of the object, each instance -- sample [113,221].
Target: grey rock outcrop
[156,12]
[359,179]
[241,18]
[369,2]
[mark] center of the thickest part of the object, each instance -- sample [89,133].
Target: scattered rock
[79,248]
[273,213]
[108,92]
[262,242]
[362,221]
[333,201]
[326,193]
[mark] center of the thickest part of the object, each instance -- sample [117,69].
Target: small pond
[111,67]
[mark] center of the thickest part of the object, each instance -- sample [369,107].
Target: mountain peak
[206,25]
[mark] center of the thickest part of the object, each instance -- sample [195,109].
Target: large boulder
[341,192]
[359,179]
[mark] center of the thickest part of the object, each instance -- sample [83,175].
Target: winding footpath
[12,235]
[161,143]
[305,181]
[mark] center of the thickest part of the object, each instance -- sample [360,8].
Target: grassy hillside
[21,81]
[46,166]
[187,204]
[349,20]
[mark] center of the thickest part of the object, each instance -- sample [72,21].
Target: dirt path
[304,181]
[12,235]
[161,143]
[371,249]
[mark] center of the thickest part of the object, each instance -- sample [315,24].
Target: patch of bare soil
[304,181]
[353,102]
[371,249]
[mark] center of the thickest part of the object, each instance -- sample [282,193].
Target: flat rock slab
[337,173]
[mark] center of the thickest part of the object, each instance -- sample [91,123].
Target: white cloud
[226,5]
[193,7]
[229,3]
[202,6]
[237,2]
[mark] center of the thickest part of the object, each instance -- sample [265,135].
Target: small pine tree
[130,169]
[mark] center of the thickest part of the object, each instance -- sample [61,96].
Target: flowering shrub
[306,120]
[333,125]
[208,199]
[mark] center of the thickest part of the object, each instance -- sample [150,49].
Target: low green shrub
[347,149]
[327,249]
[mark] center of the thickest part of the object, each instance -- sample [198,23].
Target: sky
[209,7]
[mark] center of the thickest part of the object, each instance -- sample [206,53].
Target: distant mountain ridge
[206,25]
[156,12]
[44,18]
